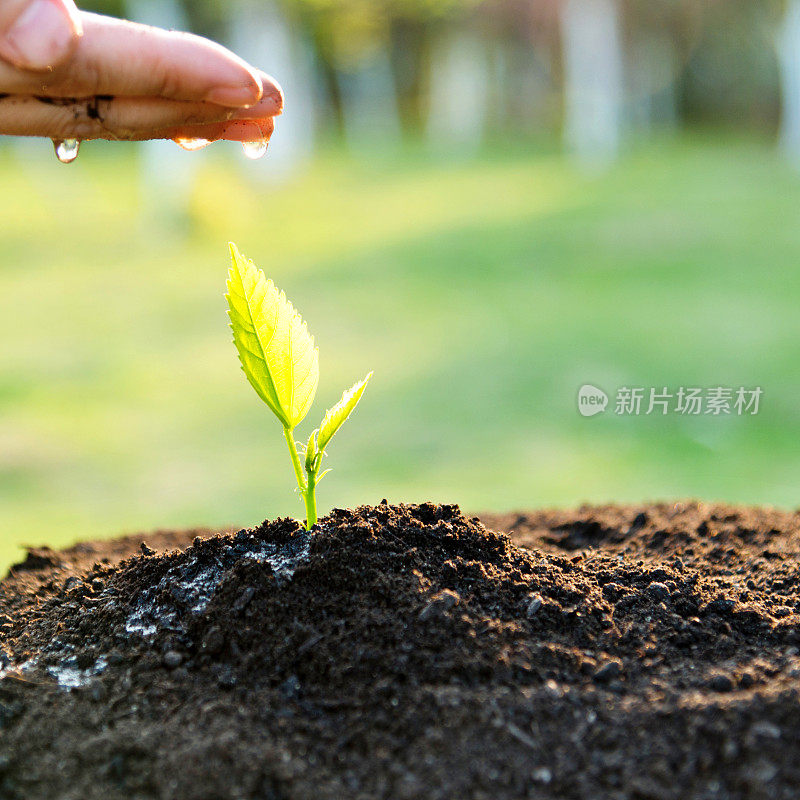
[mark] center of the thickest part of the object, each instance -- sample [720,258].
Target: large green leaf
[276,350]
[335,417]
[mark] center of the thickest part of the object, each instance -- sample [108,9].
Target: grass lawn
[483,294]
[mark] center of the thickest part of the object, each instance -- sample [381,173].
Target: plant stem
[306,489]
[311,500]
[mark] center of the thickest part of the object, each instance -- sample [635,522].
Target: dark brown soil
[409,652]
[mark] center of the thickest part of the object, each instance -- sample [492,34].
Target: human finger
[103,117]
[233,131]
[38,34]
[116,57]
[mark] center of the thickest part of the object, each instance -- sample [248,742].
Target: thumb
[38,34]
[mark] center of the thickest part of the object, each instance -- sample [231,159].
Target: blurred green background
[484,282]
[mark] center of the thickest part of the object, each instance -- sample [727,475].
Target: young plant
[278,357]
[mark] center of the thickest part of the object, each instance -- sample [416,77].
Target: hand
[68,74]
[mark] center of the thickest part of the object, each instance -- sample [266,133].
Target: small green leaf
[275,348]
[311,451]
[335,417]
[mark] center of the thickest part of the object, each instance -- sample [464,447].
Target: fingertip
[272,90]
[43,35]
[243,92]
[76,27]
[234,131]
[247,130]
[253,84]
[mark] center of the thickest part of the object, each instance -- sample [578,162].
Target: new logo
[591,400]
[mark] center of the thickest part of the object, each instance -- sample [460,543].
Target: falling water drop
[255,149]
[66,149]
[190,145]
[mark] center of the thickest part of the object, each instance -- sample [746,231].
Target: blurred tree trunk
[593,73]
[459,93]
[326,63]
[650,83]
[789,57]
[410,47]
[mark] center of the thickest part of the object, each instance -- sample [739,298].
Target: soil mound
[409,652]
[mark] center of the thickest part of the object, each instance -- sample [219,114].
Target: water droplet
[66,149]
[255,149]
[190,145]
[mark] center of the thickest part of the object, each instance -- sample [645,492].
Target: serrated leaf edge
[355,391]
[261,281]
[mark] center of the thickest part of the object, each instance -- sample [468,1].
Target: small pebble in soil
[763,772]
[720,683]
[542,775]
[172,659]
[722,605]
[658,590]
[439,604]
[763,730]
[97,585]
[608,671]
[533,606]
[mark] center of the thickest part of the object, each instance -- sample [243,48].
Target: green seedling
[280,360]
